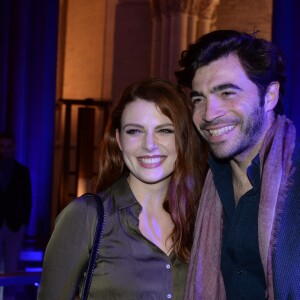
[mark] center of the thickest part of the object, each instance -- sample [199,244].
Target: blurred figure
[15,207]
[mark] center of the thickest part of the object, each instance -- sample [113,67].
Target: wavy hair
[191,164]
[261,60]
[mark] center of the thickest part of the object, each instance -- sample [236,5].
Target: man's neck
[239,165]
[240,181]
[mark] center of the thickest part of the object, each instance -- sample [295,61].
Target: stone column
[132,44]
[156,38]
[175,24]
[207,16]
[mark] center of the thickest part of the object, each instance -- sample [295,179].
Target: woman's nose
[149,143]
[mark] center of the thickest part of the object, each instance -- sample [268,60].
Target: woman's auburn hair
[191,164]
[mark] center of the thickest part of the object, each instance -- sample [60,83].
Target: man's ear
[272,95]
[118,138]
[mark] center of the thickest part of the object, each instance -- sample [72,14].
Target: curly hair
[261,60]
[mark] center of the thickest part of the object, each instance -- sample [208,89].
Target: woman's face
[147,141]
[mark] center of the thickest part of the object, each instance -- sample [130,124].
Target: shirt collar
[221,168]
[122,194]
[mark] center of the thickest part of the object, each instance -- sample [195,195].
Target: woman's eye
[166,130]
[133,131]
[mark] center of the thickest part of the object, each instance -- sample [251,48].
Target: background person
[15,207]
[247,238]
[151,170]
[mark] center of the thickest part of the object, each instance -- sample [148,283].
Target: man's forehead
[225,72]
[225,62]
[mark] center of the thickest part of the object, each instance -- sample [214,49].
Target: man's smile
[222,130]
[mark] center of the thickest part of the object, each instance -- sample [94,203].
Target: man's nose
[213,109]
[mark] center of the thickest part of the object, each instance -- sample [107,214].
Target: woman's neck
[155,223]
[150,195]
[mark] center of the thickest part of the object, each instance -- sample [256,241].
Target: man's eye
[196,100]
[227,93]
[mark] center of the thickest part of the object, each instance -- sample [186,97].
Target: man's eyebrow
[196,94]
[225,86]
[218,88]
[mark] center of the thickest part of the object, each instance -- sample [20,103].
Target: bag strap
[96,245]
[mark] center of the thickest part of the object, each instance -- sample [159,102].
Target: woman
[151,171]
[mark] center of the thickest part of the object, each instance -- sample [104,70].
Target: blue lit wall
[28,53]
[286,35]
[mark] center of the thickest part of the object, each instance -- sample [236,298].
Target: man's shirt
[241,264]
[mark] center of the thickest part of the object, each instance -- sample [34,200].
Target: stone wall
[246,15]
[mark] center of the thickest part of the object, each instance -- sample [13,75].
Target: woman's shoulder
[86,205]
[83,209]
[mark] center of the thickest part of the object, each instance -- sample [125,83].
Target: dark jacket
[286,258]
[15,200]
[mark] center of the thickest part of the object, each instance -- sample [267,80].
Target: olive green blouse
[129,266]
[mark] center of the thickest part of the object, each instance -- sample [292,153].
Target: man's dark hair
[261,60]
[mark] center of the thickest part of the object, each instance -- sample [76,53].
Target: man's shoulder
[296,154]
[295,183]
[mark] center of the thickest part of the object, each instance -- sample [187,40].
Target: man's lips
[221,130]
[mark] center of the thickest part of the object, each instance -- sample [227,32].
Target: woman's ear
[118,138]
[272,95]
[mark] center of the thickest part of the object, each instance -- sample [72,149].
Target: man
[15,206]
[247,235]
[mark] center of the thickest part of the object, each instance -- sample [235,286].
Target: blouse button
[169,296]
[168,266]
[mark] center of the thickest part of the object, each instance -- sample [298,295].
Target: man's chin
[220,154]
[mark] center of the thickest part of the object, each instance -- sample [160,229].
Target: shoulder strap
[96,245]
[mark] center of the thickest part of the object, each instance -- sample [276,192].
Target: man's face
[6,148]
[227,109]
